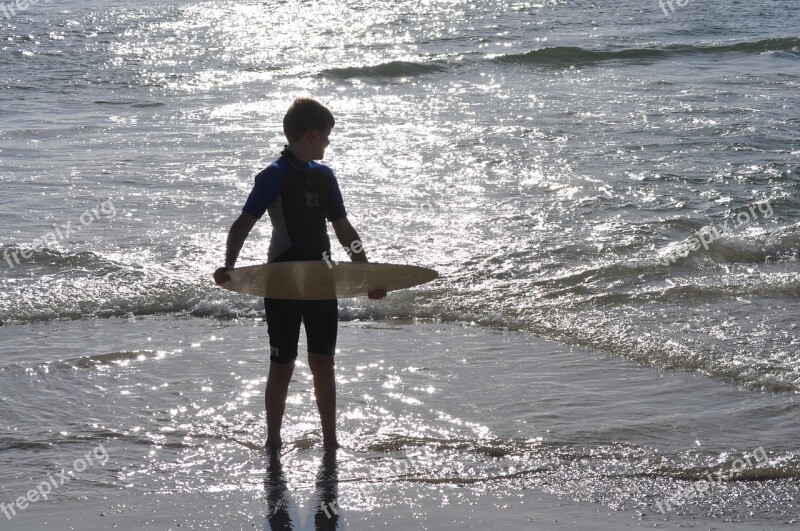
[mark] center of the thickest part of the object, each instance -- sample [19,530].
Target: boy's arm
[236,237]
[349,239]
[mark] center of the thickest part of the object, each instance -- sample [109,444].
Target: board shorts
[320,318]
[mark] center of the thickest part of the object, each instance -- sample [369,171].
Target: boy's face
[318,141]
[315,143]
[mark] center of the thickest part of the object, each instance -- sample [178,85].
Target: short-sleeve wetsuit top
[300,197]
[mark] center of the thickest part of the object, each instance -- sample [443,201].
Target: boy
[300,195]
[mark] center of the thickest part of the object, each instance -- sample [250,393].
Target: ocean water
[613,177]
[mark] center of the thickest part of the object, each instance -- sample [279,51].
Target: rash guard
[299,196]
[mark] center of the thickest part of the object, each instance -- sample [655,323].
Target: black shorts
[321,319]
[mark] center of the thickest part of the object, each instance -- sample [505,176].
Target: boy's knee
[320,363]
[280,373]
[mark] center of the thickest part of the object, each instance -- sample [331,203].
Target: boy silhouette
[299,195]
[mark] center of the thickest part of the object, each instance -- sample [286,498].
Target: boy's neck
[299,152]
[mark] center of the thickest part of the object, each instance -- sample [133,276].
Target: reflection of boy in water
[300,196]
[324,505]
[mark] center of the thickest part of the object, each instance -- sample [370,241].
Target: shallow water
[545,158]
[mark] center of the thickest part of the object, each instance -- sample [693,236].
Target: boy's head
[304,117]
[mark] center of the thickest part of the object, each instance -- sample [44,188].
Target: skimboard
[320,280]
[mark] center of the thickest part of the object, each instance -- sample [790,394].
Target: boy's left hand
[221,275]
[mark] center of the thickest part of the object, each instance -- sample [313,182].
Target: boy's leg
[325,392]
[275,400]
[321,319]
[283,326]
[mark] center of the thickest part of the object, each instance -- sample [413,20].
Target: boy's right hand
[221,275]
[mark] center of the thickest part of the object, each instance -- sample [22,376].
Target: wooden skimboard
[317,280]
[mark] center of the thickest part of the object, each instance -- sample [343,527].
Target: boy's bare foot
[273,448]
[331,446]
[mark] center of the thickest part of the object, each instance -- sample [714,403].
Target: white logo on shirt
[312,199]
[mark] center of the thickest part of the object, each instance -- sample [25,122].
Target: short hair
[306,114]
